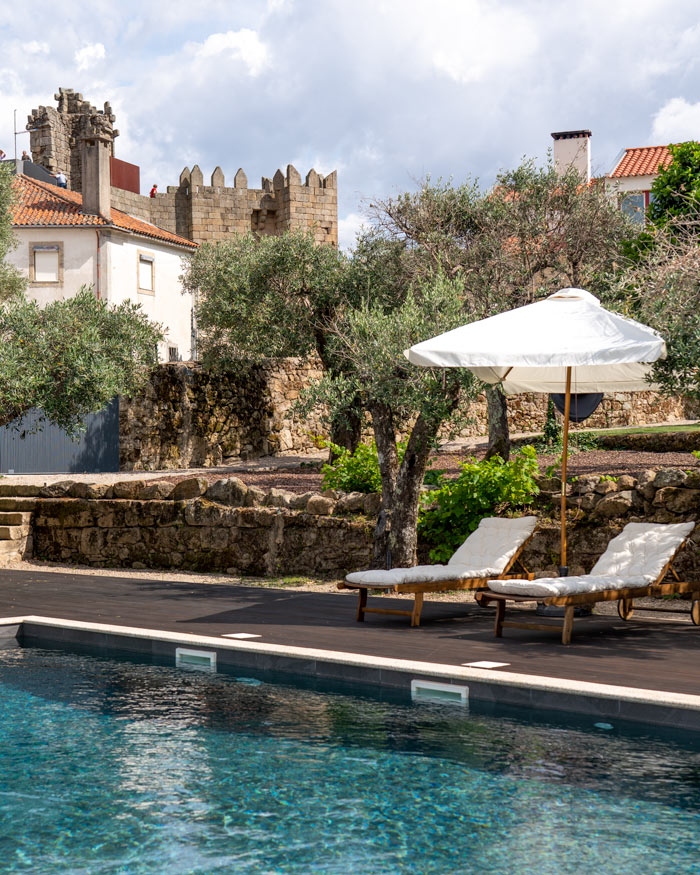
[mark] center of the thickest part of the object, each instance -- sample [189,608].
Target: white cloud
[348,228]
[677,121]
[89,55]
[244,45]
[35,48]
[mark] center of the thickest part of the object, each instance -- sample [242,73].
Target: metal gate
[28,446]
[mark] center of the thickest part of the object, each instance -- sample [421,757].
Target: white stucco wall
[629,183]
[118,280]
[167,304]
[79,246]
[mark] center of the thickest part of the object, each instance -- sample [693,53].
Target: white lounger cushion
[545,587]
[418,574]
[485,552]
[636,557]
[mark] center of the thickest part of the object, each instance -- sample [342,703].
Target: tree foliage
[11,280]
[263,297]
[676,190]
[71,357]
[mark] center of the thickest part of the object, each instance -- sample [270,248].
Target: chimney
[96,181]
[573,149]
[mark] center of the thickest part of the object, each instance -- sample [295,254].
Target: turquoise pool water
[114,767]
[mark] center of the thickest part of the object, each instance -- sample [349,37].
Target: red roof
[642,161]
[42,204]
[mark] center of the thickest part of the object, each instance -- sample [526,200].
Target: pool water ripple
[114,767]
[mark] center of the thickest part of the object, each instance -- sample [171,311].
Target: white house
[632,174]
[67,240]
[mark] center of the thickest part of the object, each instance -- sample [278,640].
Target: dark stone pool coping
[499,687]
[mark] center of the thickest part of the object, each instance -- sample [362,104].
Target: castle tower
[56,134]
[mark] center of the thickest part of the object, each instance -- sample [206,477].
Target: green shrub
[355,472]
[482,488]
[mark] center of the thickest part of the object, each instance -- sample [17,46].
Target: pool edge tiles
[500,687]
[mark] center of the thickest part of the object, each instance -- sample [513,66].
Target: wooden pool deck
[646,653]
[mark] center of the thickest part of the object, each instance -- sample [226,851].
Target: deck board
[650,653]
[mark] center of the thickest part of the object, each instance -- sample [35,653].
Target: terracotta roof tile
[42,204]
[642,161]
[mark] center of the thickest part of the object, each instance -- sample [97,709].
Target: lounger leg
[695,608]
[361,604]
[500,616]
[417,608]
[568,625]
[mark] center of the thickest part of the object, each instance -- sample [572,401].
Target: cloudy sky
[384,91]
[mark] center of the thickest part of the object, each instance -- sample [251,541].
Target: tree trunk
[499,434]
[346,429]
[385,438]
[403,537]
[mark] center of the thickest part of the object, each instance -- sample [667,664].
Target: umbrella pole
[563,568]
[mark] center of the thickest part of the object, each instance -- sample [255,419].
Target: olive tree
[267,297]
[70,357]
[530,234]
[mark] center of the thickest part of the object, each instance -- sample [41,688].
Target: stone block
[615,504]
[373,503]
[669,477]
[606,487]
[160,490]
[353,502]
[126,489]
[57,490]
[320,505]
[229,490]
[193,487]
[278,498]
[255,496]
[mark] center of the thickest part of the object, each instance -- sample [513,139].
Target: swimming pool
[109,766]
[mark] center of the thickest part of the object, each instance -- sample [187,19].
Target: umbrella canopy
[565,343]
[529,349]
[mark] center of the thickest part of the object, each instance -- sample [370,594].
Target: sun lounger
[634,565]
[489,552]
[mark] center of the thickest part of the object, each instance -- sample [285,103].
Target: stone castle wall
[191,209]
[187,417]
[209,213]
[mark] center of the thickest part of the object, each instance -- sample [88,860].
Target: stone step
[15,518]
[25,504]
[8,490]
[13,533]
[12,556]
[17,546]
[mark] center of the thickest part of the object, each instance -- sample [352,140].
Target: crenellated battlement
[192,209]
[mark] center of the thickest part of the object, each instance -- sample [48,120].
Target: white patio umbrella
[565,343]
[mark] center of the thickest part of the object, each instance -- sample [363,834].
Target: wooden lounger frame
[419,589]
[624,597]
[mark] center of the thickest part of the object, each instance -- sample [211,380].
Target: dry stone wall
[227,526]
[187,417]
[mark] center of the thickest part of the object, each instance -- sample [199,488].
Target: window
[146,275]
[46,264]
[173,355]
[635,205]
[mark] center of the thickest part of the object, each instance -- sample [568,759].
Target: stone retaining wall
[227,526]
[188,417]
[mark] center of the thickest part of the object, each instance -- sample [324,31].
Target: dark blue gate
[29,446]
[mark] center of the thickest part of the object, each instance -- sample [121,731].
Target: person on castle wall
[154,190]
[25,156]
[61,180]
[2,155]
